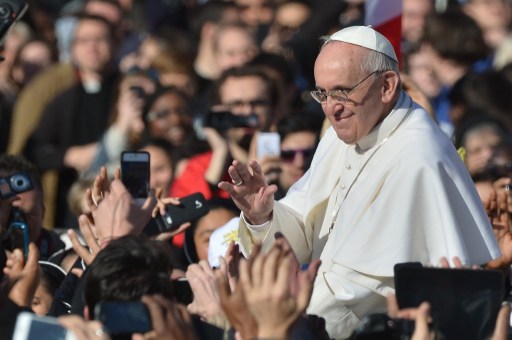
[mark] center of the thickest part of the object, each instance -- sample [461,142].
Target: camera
[10,12]
[123,317]
[15,184]
[224,120]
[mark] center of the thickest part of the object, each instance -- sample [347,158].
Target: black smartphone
[10,12]
[191,208]
[135,174]
[464,302]
[123,317]
[18,231]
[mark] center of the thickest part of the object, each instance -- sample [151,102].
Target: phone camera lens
[19,183]
[5,11]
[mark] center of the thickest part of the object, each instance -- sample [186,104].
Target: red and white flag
[385,16]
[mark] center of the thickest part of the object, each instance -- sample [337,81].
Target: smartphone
[135,174]
[32,327]
[268,144]
[18,231]
[125,317]
[183,291]
[191,208]
[464,302]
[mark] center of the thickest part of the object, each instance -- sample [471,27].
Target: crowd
[381,160]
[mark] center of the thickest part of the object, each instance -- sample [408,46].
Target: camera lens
[5,11]
[20,182]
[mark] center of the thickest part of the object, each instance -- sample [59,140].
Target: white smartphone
[32,327]
[135,174]
[269,144]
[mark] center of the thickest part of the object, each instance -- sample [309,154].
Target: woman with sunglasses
[299,134]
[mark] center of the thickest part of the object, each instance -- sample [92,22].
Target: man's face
[413,18]
[247,95]
[92,46]
[255,12]
[338,68]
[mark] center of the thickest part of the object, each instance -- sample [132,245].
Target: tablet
[464,302]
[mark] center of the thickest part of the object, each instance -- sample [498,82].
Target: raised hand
[114,212]
[206,301]
[160,209]
[500,221]
[23,277]
[83,329]
[266,286]
[250,191]
[234,305]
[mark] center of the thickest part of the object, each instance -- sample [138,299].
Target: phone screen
[31,327]
[135,173]
[269,144]
[123,317]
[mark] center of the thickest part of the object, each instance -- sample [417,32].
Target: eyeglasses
[160,114]
[239,105]
[340,95]
[288,156]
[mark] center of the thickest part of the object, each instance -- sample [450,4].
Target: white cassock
[401,194]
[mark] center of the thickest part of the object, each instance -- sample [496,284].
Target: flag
[385,16]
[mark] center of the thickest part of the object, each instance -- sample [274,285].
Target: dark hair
[455,36]
[488,91]
[51,276]
[475,119]
[242,72]
[211,11]
[276,62]
[11,164]
[92,17]
[298,122]
[128,268]
[163,90]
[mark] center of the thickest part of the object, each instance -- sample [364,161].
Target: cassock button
[343,187]
[348,167]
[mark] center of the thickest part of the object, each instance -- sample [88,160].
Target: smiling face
[170,118]
[338,67]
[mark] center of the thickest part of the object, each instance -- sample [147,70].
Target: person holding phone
[299,134]
[385,186]
[30,204]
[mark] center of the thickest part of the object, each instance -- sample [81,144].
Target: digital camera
[15,184]
[10,12]
[224,120]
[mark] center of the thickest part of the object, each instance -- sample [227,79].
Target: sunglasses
[288,156]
